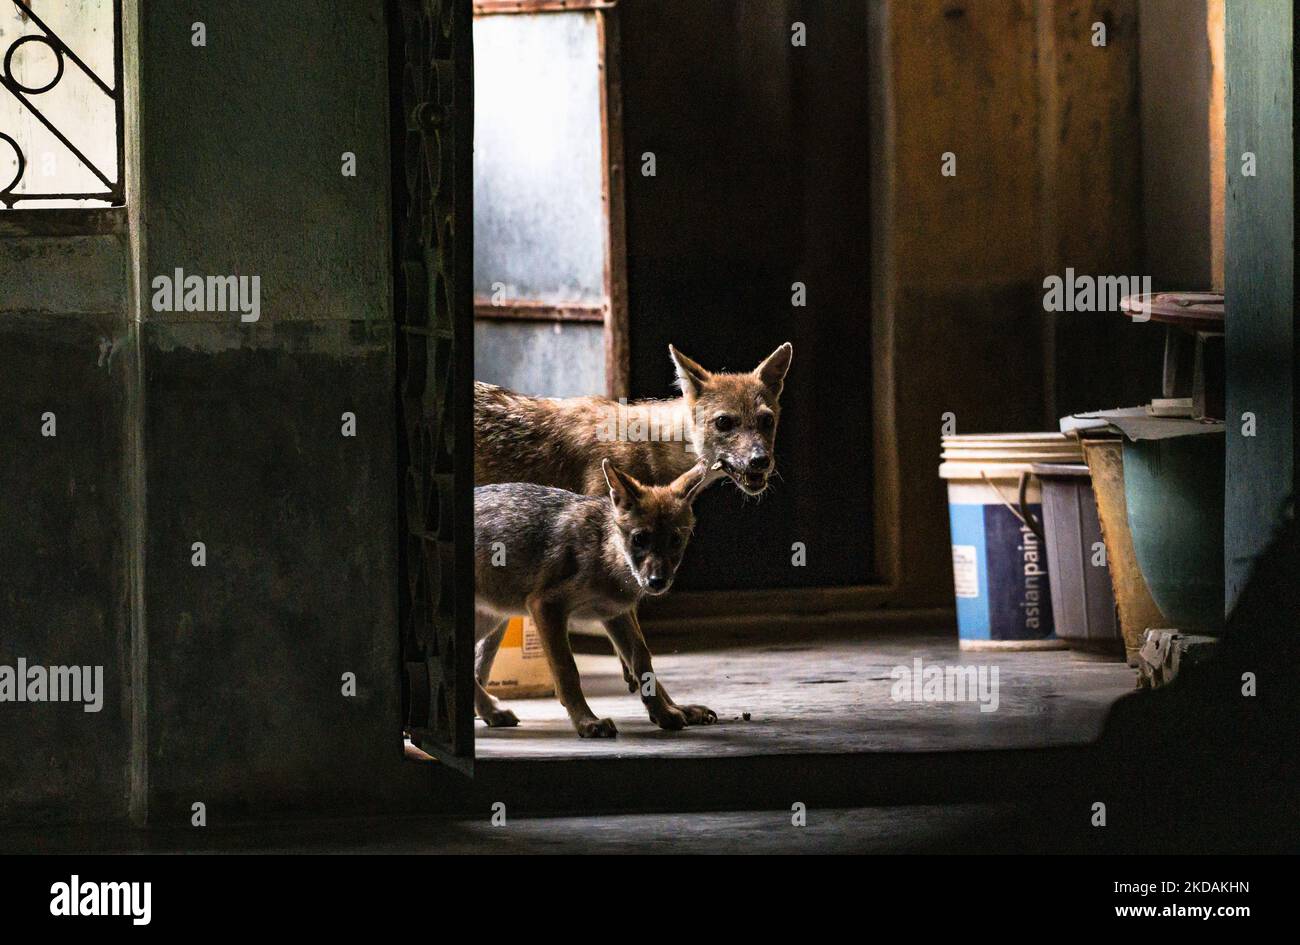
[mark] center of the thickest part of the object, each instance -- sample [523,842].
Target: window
[548,266]
[61,105]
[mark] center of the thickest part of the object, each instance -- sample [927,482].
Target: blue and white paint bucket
[999,559]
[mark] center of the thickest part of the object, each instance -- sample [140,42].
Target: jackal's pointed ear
[690,376]
[772,371]
[623,489]
[691,483]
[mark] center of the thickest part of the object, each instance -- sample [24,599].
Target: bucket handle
[1021,509]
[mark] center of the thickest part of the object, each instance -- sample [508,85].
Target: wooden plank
[784,601]
[1091,199]
[1218,141]
[495,7]
[612,182]
[523,310]
[961,300]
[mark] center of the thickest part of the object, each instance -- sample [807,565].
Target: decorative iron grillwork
[63,53]
[433,131]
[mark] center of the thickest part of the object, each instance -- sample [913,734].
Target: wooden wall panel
[1044,127]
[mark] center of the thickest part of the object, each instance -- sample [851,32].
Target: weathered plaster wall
[242,143]
[247,654]
[63,590]
[224,683]
[242,150]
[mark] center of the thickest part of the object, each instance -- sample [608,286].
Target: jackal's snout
[735,416]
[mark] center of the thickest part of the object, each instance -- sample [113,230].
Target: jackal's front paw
[499,718]
[668,717]
[596,728]
[698,714]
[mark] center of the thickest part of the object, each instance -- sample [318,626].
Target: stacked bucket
[1029,566]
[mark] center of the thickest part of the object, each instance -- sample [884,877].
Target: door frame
[431,108]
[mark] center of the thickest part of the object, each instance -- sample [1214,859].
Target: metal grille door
[433,126]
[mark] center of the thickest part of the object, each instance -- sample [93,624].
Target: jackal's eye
[724,422]
[766,422]
[641,539]
[675,541]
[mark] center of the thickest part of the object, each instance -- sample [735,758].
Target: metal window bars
[113,190]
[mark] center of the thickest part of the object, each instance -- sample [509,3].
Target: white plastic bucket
[1000,576]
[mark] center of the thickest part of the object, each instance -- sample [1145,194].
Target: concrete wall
[224,682]
[64,595]
[241,152]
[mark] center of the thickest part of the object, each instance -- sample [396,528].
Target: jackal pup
[554,554]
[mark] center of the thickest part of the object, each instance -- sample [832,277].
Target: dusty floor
[981,827]
[831,696]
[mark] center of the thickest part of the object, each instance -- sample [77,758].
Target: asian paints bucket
[1000,574]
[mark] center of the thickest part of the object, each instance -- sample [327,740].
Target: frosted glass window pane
[539,225]
[559,359]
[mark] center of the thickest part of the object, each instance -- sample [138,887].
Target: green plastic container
[1174,491]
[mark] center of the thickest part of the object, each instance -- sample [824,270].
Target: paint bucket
[1001,580]
[1083,604]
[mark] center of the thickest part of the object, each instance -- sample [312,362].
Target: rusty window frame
[612,312]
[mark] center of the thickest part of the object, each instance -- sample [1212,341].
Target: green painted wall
[1259,276]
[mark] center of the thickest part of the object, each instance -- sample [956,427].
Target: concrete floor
[893,829]
[976,827]
[821,697]
[875,776]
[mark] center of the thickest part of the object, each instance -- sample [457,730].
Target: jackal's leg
[695,714]
[488,631]
[625,633]
[553,627]
[628,678]
[633,686]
